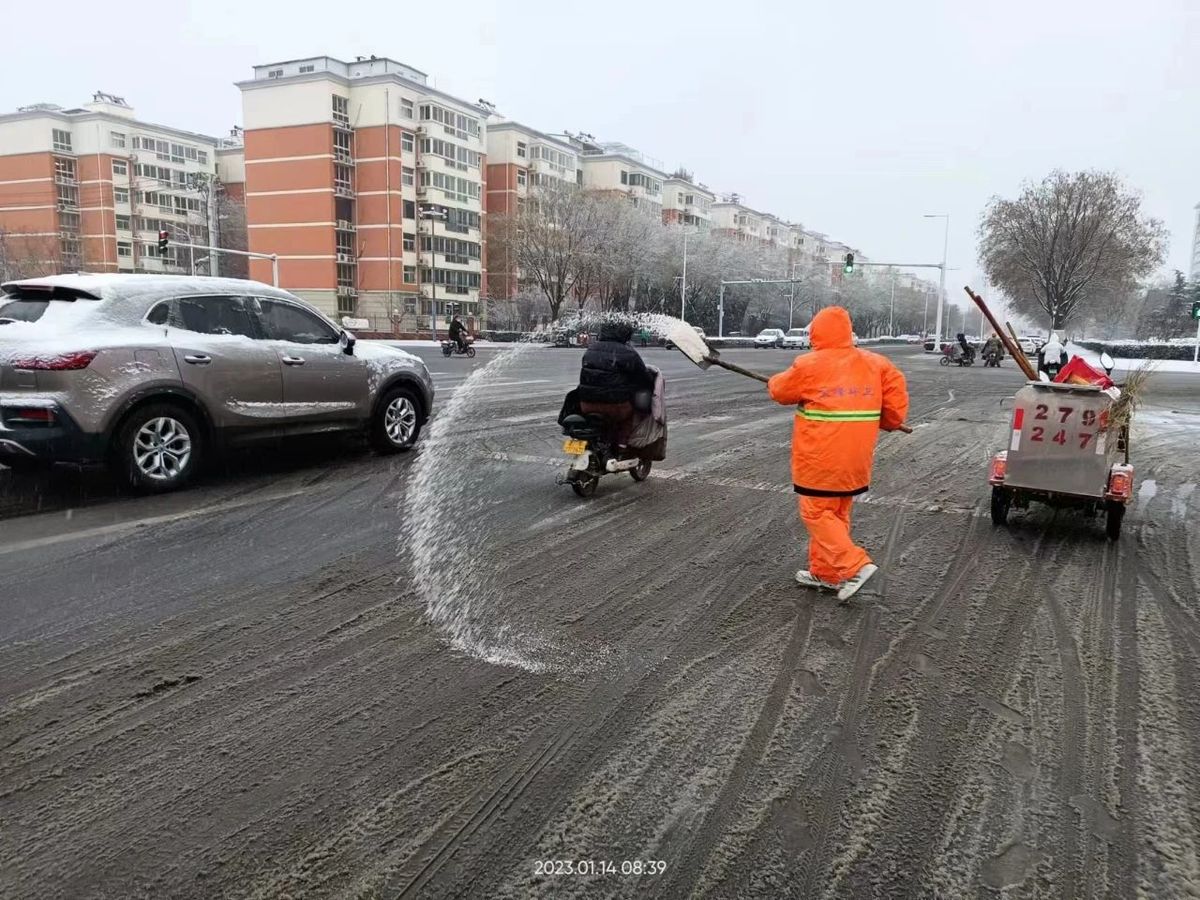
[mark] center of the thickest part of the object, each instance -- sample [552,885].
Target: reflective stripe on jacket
[844,396]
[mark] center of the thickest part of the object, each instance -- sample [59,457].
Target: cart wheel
[1116,515]
[1001,502]
[944,361]
[642,472]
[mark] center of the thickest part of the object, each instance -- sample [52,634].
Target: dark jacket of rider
[612,371]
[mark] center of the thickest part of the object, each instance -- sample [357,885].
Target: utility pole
[721,312]
[683,283]
[937,334]
[792,298]
[892,309]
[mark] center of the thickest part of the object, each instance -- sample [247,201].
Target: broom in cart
[1068,444]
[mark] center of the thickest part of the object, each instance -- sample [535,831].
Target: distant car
[768,338]
[151,373]
[1029,344]
[796,339]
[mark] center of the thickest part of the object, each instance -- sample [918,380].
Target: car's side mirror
[348,341]
[1108,363]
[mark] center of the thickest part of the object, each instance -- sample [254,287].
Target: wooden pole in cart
[1014,350]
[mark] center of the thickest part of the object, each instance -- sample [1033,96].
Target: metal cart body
[1063,452]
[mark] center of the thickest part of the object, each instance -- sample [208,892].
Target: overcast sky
[854,119]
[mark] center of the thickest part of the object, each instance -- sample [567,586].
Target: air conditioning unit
[345,257]
[344,291]
[345,224]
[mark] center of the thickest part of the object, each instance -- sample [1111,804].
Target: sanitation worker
[843,397]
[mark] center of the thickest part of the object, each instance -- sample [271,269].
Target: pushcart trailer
[1066,452]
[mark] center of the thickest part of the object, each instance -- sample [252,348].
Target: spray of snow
[446,523]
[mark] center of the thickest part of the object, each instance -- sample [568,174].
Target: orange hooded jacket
[843,397]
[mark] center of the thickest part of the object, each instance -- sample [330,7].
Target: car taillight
[1120,483]
[29,415]
[999,467]
[58,362]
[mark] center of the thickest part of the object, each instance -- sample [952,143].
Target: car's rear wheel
[158,448]
[1001,503]
[397,422]
[642,472]
[1115,516]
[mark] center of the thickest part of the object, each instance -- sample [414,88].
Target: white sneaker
[850,587]
[807,579]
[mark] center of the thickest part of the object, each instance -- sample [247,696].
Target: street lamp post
[937,334]
[683,283]
[892,309]
[792,298]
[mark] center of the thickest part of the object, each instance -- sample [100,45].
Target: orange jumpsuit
[843,397]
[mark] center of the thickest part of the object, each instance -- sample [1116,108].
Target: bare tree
[550,240]
[1066,241]
[27,256]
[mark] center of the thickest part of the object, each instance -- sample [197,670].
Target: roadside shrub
[1140,350]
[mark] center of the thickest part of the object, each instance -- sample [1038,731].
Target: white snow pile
[1128,363]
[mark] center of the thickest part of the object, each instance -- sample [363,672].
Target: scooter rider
[993,347]
[1052,356]
[611,374]
[458,334]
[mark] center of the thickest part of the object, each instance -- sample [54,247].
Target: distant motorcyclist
[458,334]
[993,349]
[1053,355]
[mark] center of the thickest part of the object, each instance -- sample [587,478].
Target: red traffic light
[164,238]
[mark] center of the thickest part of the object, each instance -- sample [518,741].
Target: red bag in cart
[1079,372]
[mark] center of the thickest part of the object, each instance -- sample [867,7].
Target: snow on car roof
[106,285]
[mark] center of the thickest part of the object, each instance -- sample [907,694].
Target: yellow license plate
[574,448]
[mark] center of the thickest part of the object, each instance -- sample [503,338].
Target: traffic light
[164,237]
[1196,309]
[848,267]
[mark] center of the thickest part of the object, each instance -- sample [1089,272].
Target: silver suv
[150,373]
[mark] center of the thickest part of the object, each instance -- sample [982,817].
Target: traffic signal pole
[273,257]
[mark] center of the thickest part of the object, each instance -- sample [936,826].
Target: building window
[202,157]
[117,139]
[521,151]
[407,175]
[120,195]
[624,177]
[410,243]
[177,154]
[275,73]
[124,248]
[520,178]
[410,209]
[406,142]
[410,274]
[406,108]
[62,140]
[341,110]
[120,167]
[304,70]
[122,223]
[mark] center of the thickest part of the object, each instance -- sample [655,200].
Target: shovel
[694,348]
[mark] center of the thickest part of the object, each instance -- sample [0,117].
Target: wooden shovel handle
[733,367]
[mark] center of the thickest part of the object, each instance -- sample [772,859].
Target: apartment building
[734,219]
[89,188]
[369,185]
[520,160]
[619,168]
[687,203]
